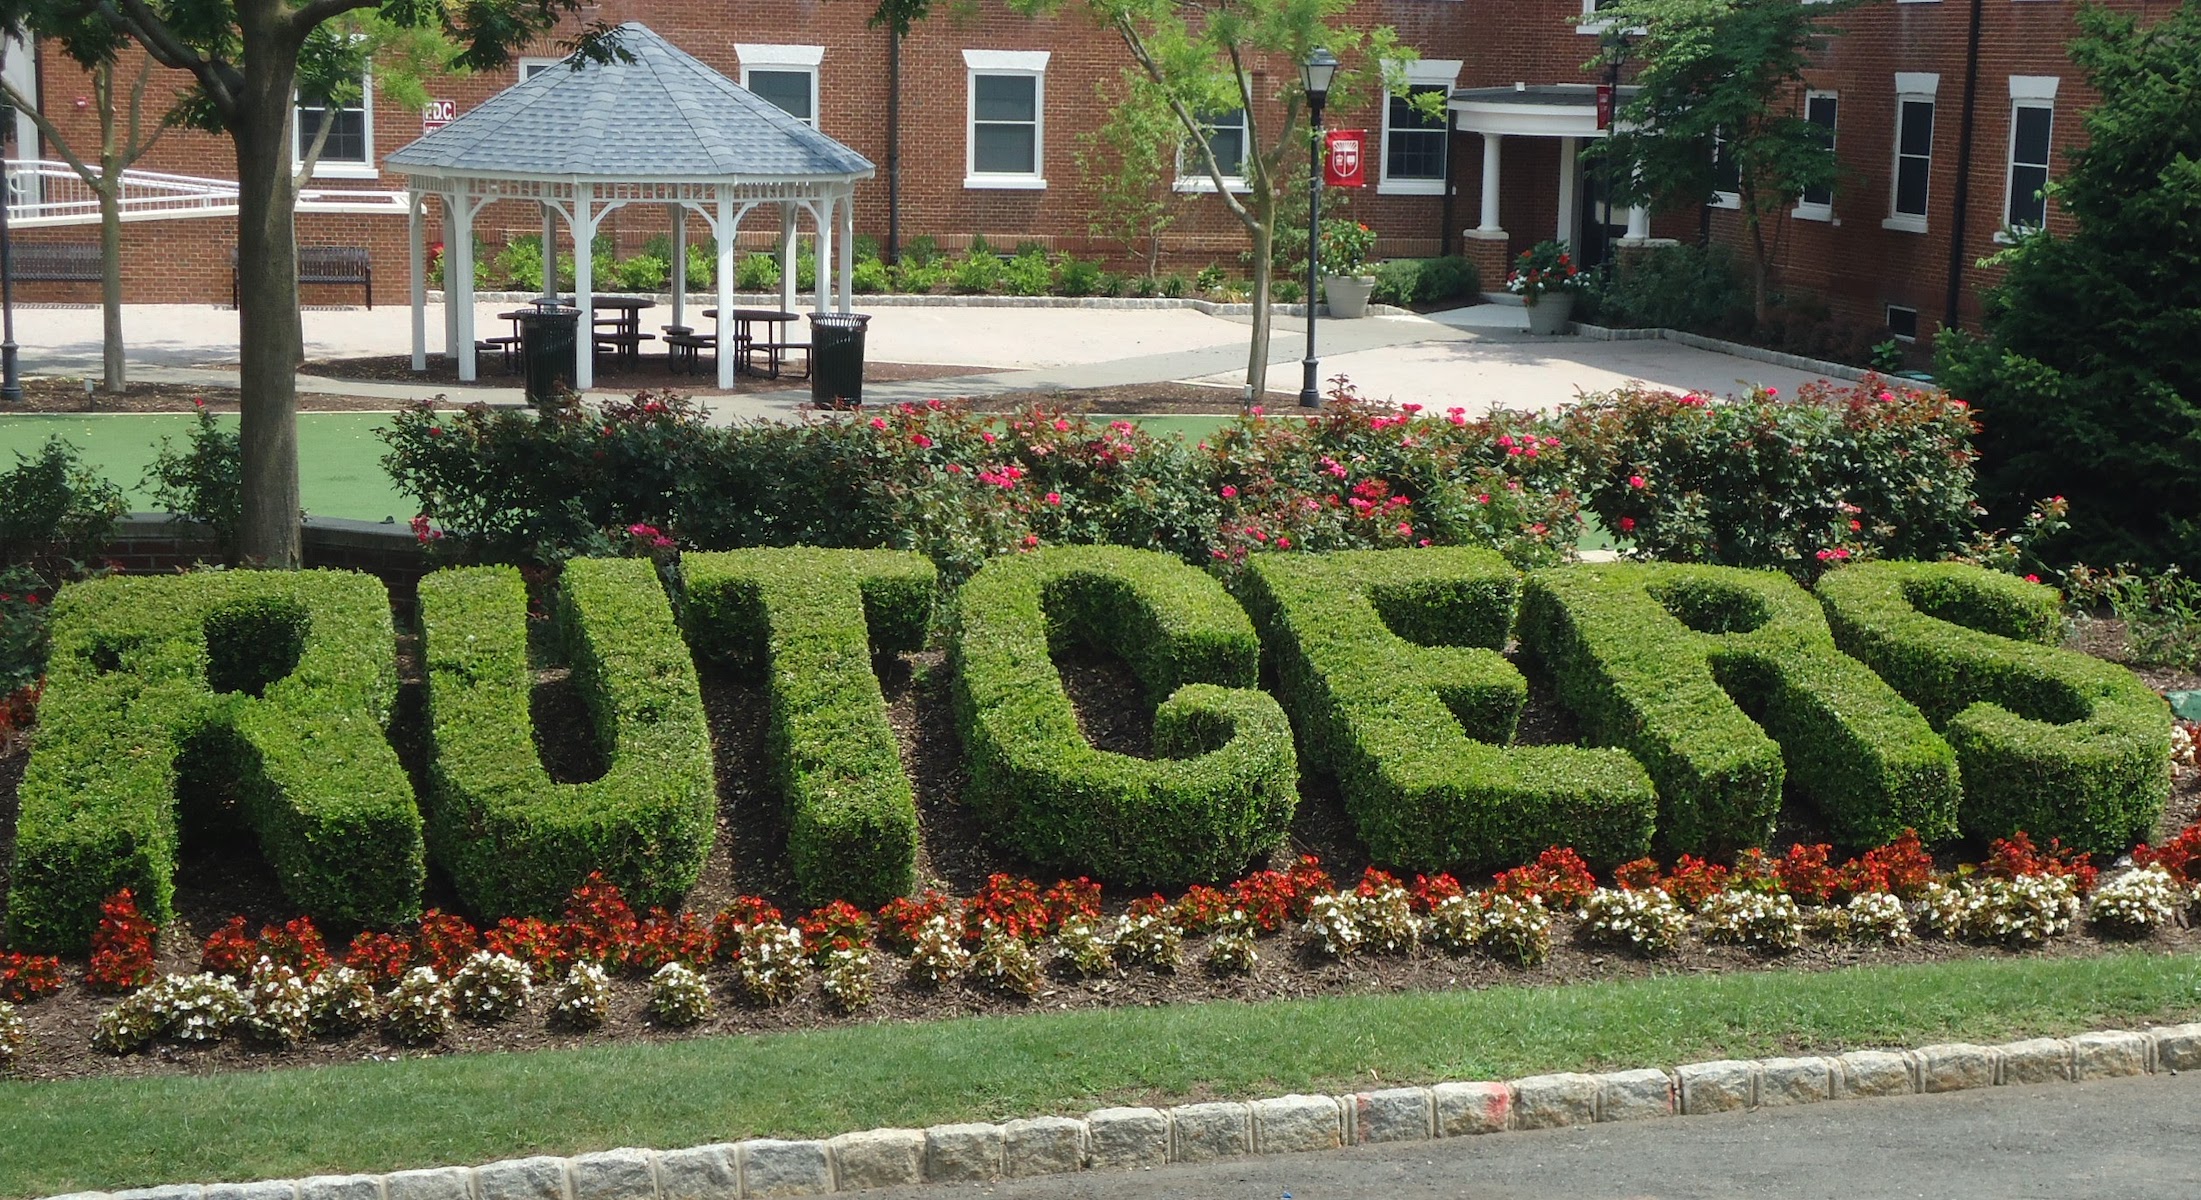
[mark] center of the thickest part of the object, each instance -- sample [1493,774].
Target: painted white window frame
[341,168]
[1911,87]
[2027,91]
[807,60]
[1590,23]
[1423,73]
[1032,63]
[1720,199]
[1886,309]
[531,65]
[1192,179]
[1807,210]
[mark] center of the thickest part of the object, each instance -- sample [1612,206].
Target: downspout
[894,143]
[1957,226]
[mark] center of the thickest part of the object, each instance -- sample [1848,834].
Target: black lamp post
[1315,73]
[11,384]
[1614,41]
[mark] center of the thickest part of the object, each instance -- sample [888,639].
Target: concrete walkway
[1477,358]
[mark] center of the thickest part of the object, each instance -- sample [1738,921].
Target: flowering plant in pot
[1345,247]
[1545,278]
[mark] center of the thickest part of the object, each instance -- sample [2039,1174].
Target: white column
[1570,168]
[550,251]
[787,258]
[1493,147]
[848,249]
[450,310]
[458,284]
[1639,223]
[825,254]
[417,254]
[679,215]
[725,229]
[584,264]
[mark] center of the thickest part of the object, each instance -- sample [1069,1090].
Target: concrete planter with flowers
[1347,281]
[1545,278]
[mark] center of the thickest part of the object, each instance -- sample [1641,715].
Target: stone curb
[1213,308]
[1133,1138]
[1795,362]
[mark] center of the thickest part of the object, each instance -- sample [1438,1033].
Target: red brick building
[1946,114]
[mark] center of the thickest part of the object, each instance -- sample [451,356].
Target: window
[1226,138]
[1008,99]
[349,150]
[531,67]
[1902,323]
[1414,145]
[1822,109]
[1910,187]
[2032,130]
[1726,173]
[784,76]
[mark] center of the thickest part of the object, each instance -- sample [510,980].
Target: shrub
[913,275]
[810,621]
[757,273]
[846,979]
[1087,950]
[978,272]
[513,840]
[278,684]
[1514,930]
[490,987]
[196,1010]
[2136,903]
[340,1001]
[1874,917]
[679,998]
[1646,921]
[1334,924]
[1797,483]
[2049,740]
[937,957]
[281,1005]
[204,480]
[128,1027]
[643,273]
[1388,662]
[1030,273]
[51,502]
[1149,938]
[583,1000]
[1754,919]
[870,277]
[1676,287]
[418,1011]
[1224,781]
[1673,661]
[1007,964]
[1406,281]
[1079,277]
[1232,952]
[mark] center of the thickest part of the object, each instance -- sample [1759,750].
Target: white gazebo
[653,126]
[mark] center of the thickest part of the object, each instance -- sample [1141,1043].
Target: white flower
[1646,920]
[2137,903]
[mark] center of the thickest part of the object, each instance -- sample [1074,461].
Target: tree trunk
[110,280]
[1761,272]
[267,307]
[1257,357]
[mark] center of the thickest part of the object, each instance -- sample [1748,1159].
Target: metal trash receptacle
[837,359]
[547,338]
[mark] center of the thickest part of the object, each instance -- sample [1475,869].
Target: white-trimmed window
[1225,134]
[532,65]
[1415,146]
[1910,187]
[1902,322]
[786,76]
[1006,144]
[349,151]
[1726,172]
[1824,110]
[2032,141]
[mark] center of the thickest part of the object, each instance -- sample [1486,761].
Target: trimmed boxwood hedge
[1725,682]
[1224,782]
[2052,742]
[514,841]
[272,687]
[1387,662]
[812,620]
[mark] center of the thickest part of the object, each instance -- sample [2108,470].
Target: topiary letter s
[274,687]
[2052,742]
[812,620]
[1387,661]
[1224,781]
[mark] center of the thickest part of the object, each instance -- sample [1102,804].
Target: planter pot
[1548,315]
[1349,295]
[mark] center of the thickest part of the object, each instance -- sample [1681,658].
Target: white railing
[42,193]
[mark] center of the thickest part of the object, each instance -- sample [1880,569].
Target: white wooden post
[787,258]
[550,251]
[1493,154]
[1639,224]
[848,249]
[725,229]
[825,253]
[584,264]
[1570,213]
[450,309]
[679,215]
[458,284]
[416,254]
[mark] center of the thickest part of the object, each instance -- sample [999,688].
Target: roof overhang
[1546,110]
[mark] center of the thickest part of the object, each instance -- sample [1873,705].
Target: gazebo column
[679,215]
[584,239]
[1570,210]
[450,310]
[458,283]
[787,258]
[825,253]
[848,249]
[550,251]
[416,254]
[725,229]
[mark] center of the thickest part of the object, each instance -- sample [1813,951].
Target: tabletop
[752,314]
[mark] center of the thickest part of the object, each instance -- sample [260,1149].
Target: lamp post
[11,384]
[1315,73]
[1614,42]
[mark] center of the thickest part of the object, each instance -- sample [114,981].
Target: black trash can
[837,359]
[546,352]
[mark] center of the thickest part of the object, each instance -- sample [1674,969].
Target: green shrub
[1687,287]
[921,275]
[642,273]
[203,481]
[810,622]
[1724,683]
[869,278]
[1404,281]
[702,265]
[1079,278]
[1387,661]
[1224,781]
[757,273]
[133,722]
[51,501]
[1030,273]
[2051,741]
[514,841]
[1173,286]
[977,272]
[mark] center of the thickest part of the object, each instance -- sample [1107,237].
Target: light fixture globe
[1317,71]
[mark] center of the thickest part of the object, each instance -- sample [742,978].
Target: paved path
[2131,1139]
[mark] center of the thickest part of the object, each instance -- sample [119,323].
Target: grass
[108,1133]
[339,458]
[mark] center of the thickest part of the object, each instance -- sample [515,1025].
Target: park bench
[54,262]
[323,264]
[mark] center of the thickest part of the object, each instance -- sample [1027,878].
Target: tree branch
[312,157]
[141,22]
[1186,118]
[29,107]
[304,19]
[133,149]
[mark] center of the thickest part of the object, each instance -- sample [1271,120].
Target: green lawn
[339,458]
[109,1133]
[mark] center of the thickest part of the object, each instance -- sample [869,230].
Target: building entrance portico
[1582,215]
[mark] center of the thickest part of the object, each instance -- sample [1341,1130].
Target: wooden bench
[686,350]
[775,357]
[323,264]
[508,347]
[54,262]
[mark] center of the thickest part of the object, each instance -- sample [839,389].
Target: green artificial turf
[379,1116]
[339,458]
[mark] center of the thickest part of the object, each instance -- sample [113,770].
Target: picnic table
[774,346]
[624,325]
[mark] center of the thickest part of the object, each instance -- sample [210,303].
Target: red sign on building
[1343,164]
[1604,106]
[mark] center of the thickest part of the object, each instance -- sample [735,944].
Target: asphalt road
[2131,1139]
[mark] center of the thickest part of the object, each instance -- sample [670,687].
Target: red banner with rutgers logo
[1343,164]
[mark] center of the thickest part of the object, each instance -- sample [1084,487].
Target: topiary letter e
[271,689]
[1387,660]
[1693,667]
[812,620]
[1224,780]
[2052,742]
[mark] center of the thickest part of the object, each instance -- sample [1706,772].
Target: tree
[1128,161]
[2087,380]
[1201,56]
[249,60]
[123,140]
[1717,111]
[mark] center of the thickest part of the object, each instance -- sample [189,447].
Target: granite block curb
[1146,1138]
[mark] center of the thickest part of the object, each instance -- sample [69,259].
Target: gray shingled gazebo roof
[665,115]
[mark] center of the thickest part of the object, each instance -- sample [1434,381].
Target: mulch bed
[62,394]
[1129,399]
[651,372]
[221,875]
